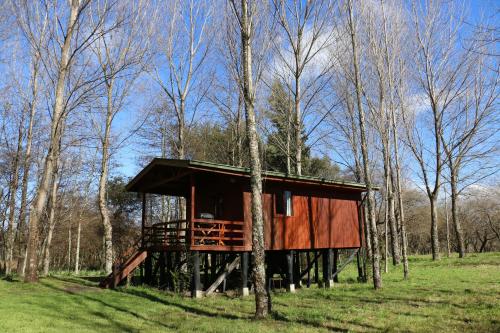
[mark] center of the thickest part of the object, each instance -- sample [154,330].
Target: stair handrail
[138,244]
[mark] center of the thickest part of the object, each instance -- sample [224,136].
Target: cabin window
[288,203]
[283,203]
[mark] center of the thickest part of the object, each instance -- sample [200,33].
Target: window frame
[281,203]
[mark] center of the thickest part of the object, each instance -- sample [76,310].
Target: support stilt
[148,269]
[316,268]
[289,262]
[196,291]
[163,276]
[308,270]
[335,265]
[244,274]
[327,268]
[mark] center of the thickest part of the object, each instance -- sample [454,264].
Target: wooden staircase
[121,271]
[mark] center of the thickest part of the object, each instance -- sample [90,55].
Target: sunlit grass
[452,295]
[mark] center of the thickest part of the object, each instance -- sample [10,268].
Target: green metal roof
[216,167]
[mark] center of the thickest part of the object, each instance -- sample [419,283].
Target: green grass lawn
[448,296]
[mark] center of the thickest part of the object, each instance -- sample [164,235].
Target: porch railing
[208,232]
[197,233]
[171,233]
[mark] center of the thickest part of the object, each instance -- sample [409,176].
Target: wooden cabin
[301,214]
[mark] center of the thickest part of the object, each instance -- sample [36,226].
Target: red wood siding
[317,222]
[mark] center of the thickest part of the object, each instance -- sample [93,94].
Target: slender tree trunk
[70,238]
[370,203]
[103,181]
[239,136]
[298,125]
[77,250]
[26,170]
[454,215]
[404,242]
[288,143]
[58,119]
[434,228]
[14,183]
[259,271]
[386,242]
[396,259]
[448,249]
[181,153]
[357,169]
[433,196]
[51,223]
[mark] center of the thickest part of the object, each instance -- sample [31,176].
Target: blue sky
[128,155]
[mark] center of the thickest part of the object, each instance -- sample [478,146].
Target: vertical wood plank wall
[318,221]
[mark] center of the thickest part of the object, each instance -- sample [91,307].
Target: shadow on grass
[184,307]
[109,305]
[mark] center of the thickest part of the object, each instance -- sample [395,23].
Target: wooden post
[143,219]
[205,270]
[162,259]
[196,291]
[308,269]
[327,268]
[192,210]
[168,265]
[296,269]
[360,266]
[148,269]
[316,268]
[335,264]
[244,274]
[289,262]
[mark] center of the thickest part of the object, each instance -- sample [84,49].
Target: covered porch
[211,206]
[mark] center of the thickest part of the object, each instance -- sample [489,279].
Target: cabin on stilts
[307,220]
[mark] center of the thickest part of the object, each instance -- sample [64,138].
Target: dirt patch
[77,288]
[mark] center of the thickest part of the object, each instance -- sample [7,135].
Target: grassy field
[448,296]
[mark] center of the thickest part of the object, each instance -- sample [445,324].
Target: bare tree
[439,68]
[370,203]
[120,54]
[51,221]
[308,32]
[245,15]
[185,48]
[380,102]
[468,133]
[59,53]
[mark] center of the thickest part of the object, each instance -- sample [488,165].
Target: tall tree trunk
[288,142]
[77,250]
[103,181]
[298,124]
[58,119]
[51,223]
[21,266]
[370,203]
[396,259]
[404,242]
[70,238]
[448,249]
[433,196]
[261,298]
[454,215]
[434,228]
[14,183]
[357,169]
